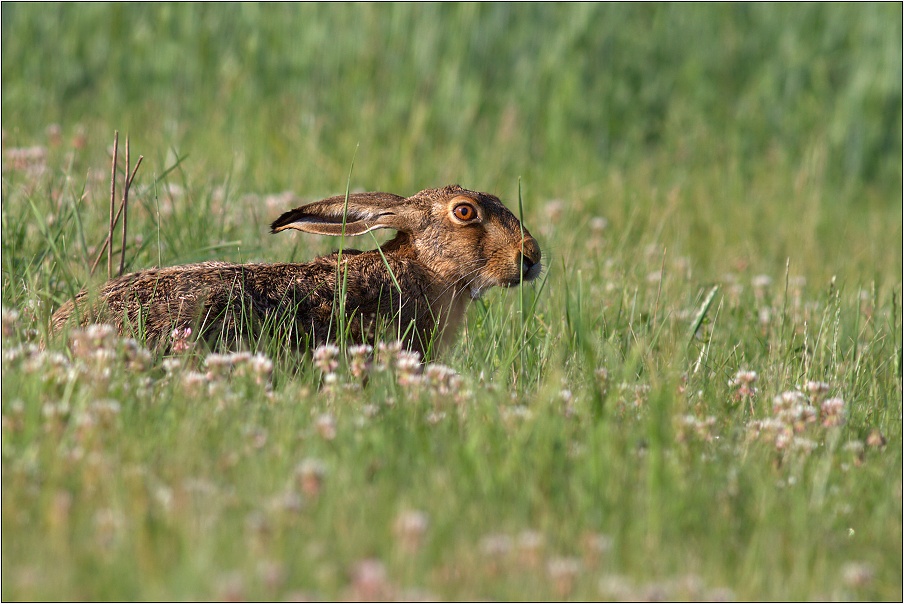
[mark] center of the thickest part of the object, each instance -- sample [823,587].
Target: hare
[451,245]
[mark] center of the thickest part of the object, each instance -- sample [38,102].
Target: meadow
[700,398]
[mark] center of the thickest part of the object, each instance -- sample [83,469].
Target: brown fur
[438,263]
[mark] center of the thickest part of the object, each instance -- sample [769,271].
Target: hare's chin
[476,292]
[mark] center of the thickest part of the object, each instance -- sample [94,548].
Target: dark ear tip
[278,224]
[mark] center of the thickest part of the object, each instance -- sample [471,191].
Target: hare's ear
[363,213]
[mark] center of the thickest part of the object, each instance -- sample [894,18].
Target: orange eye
[464,212]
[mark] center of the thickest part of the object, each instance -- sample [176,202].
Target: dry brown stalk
[123,211]
[112,204]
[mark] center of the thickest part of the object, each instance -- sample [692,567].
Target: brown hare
[452,245]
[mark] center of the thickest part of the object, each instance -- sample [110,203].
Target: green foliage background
[705,144]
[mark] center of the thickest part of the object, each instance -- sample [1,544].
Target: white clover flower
[326,358]
[410,528]
[326,426]
[310,474]
[817,390]
[761,281]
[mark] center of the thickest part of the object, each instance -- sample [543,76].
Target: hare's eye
[464,212]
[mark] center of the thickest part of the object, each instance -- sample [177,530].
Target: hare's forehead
[441,202]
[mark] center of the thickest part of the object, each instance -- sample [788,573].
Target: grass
[716,191]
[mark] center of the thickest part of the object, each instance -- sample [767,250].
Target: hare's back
[212,281]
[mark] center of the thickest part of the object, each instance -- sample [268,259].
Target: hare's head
[469,239]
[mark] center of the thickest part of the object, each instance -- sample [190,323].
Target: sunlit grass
[700,398]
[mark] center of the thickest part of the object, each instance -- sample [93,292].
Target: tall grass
[700,398]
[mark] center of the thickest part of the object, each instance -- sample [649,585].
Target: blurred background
[736,134]
[717,191]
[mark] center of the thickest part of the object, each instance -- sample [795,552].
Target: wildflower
[60,506]
[435,417]
[24,351]
[804,445]
[194,382]
[857,575]
[310,474]
[855,448]
[386,354]
[798,417]
[701,428]
[442,379]
[875,439]
[515,413]
[261,367]
[496,545]
[617,588]
[55,410]
[817,390]
[171,365]
[218,365]
[787,400]
[231,588]
[640,392]
[105,411]
[107,525]
[408,368]
[54,134]
[326,426]
[257,437]
[101,358]
[719,594]
[240,358]
[594,546]
[832,412]
[655,592]
[410,528]
[276,201]
[563,572]
[180,338]
[95,337]
[27,159]
[530,548]
[417,595]
[289,501]
[326,358]
[330,380]
[271,573]
[782,440]
[359,363]
[369,582]
[163,495]
[654,277]
[744,381]
[554,209]
[14,420]
[761,282]
[9,321]
[137,357]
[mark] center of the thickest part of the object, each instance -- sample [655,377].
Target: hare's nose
[529,258]
[527,265]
